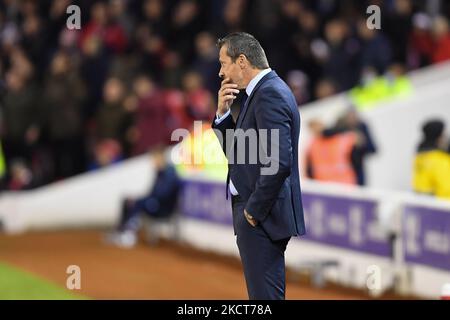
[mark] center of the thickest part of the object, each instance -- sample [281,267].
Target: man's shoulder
[274,84]
[276,88]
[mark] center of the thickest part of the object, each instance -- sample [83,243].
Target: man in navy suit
[262,151]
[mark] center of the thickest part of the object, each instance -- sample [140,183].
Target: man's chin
[239,86]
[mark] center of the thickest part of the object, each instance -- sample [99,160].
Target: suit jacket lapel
[241,116]
[270,75]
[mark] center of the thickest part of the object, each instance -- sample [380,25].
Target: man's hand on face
[226,96]
[250,219]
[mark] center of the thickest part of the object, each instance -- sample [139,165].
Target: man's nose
[221,75]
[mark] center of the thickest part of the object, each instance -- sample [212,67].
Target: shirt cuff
[220,119]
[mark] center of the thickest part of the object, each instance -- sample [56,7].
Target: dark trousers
[131,210]
[262,259]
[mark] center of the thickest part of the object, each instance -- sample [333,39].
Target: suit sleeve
[272,112]
[220,130]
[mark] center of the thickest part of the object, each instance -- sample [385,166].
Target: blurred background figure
[21,118]
[206,63]
[63,101]
[329,158]
[151,117]
[113,119]
[398,25]
[337,154]
[299,83]
[364,146]
[199,101]
[441,39]
[432,163]
[420,43]
[376,51]
[340,63]
[160,202]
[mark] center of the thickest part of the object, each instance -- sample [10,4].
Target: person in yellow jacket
[432,162]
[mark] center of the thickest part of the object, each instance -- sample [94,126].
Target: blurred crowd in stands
[77,100]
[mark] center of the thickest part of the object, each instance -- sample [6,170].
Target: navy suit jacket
[273,200]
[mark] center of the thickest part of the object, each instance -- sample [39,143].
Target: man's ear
[242,61]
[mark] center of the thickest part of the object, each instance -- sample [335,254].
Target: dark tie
[241,111]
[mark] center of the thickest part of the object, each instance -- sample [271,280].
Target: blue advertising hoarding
[336,221]
[426,236]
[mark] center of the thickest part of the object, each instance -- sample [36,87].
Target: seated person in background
[432,163]
[160,202]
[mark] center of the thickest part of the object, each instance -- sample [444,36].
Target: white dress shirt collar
[252,84]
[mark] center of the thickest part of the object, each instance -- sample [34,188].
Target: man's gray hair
[244,43]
